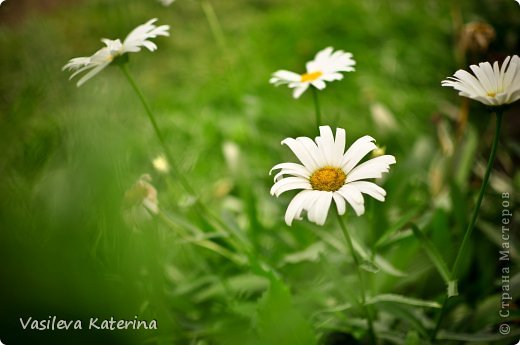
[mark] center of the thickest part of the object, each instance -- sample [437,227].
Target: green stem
[361,280]
[316,105]
[438,322]
[157,131]
[214,24]
[469,230]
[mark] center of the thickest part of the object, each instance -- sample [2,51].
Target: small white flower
[160,163]
[326,66]
[329,173]
[136,39]
[491,86]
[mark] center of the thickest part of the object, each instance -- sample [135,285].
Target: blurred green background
[71,246]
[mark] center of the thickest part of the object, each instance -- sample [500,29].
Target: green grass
[69,247]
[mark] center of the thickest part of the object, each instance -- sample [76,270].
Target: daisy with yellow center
[490,85]
[329,173]
[326,66]
[134,41]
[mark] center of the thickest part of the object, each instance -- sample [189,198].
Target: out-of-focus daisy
[136,39]
[166,2]
[326,66]
[160,163]
[329,173]
[490,85]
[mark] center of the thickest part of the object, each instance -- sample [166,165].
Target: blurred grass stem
[214,24]
[157,131]
[371,334]
[316,106]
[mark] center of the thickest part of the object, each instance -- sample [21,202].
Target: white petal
[340,203]
[295,207]
[298,148]
[370,188]
[320,208]
[283,77]
[300,89]
[373,168]
[357,151]
[289,183]
[354,198]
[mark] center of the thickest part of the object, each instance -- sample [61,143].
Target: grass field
[76,244]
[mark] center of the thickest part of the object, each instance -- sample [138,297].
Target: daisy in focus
[329,173]
[326,66]
[134,41]
[489,85]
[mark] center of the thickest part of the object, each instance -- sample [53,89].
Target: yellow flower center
[310,76]
[491,94]
[328,179]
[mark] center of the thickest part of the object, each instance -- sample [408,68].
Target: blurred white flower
[326,66]
[329,173]
[136,39]
[166,2]
[491,85]
[160,163]
[232,155]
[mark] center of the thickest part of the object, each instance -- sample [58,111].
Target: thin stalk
[371,334]
[214,24]
[469,230]
[316,106]
[157,131]
[438,322]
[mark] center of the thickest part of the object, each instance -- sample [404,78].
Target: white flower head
[329,173]
[134,41]
[490,85]
[326,66]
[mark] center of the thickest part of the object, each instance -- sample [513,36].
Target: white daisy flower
[329,173]
[491,86]
[136,39]
[326,66]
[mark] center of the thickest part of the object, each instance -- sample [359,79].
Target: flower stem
[361,280]
[469,230]
[157,131]
[316,106]
[214,24]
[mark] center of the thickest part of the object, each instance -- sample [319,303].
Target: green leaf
[311,253]
[279,322]
[396,227]
[403,300]
[412,338]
